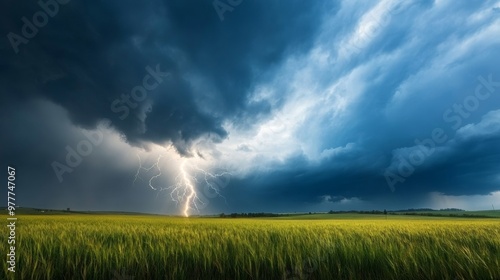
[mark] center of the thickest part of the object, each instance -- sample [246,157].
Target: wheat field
[155,247]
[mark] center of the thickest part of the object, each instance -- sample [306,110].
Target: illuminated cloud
[307,105]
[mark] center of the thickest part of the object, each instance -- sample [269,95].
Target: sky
[201,107]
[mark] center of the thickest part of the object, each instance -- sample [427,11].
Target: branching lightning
[157,165]
[184,189]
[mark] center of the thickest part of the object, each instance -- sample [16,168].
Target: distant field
[488,213]
[395,216]
[355,216]
[299,247]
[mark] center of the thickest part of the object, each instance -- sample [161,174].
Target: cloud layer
[308,105]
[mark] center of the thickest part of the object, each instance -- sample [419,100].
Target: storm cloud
[308,105]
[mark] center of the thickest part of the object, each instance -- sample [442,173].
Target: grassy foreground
[151,247]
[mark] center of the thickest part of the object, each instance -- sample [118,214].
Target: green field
[344,246]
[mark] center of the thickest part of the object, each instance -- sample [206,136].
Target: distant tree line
[396,211]
[417,212]
[412,211]
[429,210]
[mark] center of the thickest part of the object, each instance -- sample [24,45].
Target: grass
[153,247]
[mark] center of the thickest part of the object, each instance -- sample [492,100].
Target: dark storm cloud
[89,54]
[468,164]
[377,96]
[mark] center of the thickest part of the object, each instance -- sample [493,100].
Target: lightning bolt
[213,176]
[190,188]
[156,164]
[184,189]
